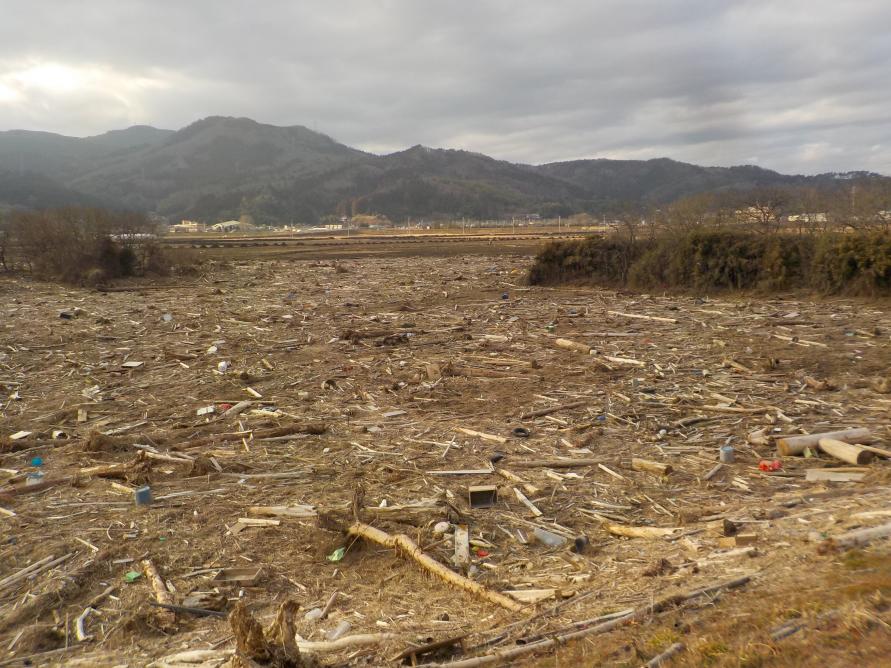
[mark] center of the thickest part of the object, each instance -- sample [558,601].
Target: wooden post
[847,452]
[795,445]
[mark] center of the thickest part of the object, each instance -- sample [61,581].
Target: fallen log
[408,548]
[856,538]
[651,467]
[846,452]
[566,344]
[796,445]
[641,532]
[163,596]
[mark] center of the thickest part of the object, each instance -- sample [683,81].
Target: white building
[189,226]
[226,226]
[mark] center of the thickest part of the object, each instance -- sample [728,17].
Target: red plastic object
[765,465]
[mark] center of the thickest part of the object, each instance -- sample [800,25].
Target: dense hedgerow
[709,260]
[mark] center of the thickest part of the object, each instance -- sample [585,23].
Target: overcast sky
[793,85]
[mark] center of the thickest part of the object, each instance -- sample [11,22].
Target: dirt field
[416,243]
[382,388]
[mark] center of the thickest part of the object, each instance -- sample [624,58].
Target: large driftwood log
[846,452]
[795,445]
[408,548]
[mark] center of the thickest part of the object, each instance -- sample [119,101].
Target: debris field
[436,463]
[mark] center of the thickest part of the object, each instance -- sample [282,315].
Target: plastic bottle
[338,631]
[548,538]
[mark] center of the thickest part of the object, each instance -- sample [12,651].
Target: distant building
[188,226]
[228,226]
[807,218]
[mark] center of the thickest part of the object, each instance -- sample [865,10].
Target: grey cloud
[799,86]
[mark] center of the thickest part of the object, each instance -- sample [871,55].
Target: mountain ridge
[221,167]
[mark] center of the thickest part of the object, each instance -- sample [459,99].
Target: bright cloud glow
[801,84]
[50,77]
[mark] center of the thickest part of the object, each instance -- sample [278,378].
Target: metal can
[726,454]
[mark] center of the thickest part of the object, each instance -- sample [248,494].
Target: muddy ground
[390,359]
